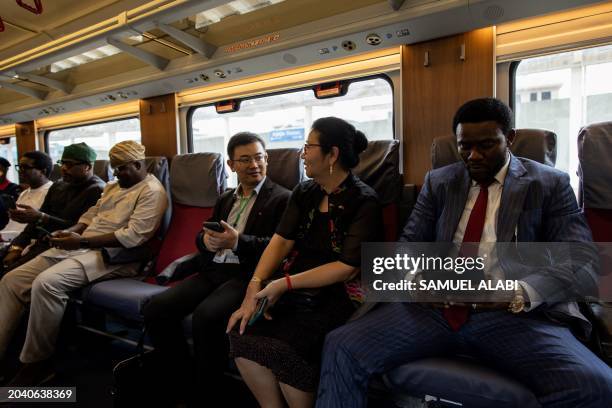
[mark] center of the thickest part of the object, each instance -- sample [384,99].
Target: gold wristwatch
[15,248]
[517,305]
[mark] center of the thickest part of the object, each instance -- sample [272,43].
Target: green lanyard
[243,203]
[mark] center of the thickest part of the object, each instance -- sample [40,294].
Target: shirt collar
[255,190]
[500,177]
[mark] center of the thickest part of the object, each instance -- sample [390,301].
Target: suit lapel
[513,196]
[226,207]
[454,204]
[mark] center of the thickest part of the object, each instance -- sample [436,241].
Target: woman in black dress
[318,243]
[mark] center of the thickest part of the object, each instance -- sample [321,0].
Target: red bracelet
[288,279]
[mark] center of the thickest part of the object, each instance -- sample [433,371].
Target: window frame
[47,132]
[382,76]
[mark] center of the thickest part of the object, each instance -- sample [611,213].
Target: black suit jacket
[260,226]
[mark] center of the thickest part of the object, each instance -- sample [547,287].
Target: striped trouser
[545,356]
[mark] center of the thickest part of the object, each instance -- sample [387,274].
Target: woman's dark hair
[337,132]
[484,110]
[241,139]
[42,161]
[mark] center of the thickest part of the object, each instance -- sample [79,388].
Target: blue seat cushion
[124,297]
[460,380]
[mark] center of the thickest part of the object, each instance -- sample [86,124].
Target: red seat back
[595,172]
[196,180]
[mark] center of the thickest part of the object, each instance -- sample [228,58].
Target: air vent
[493,13]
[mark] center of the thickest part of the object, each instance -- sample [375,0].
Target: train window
[8,150]
[99,136]
[283,120]
[563,92]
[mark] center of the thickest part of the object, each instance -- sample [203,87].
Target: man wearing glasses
[34,169]
[126,216]
[65,202]
[247,216]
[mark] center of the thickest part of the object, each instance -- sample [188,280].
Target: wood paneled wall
[158,125]
[431,94]
[26,137]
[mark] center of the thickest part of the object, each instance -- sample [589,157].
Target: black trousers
[211,296]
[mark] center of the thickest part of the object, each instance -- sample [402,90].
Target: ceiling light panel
[86,57]
[216,14]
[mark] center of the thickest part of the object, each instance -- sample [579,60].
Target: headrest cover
[158,166]
[103,170]
[534,144]
[595,169]
[197,179]
[379,168]
[286,167]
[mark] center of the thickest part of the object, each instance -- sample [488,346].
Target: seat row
[195,181]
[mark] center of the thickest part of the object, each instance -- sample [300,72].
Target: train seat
[379,168]
[595,173]
[534,144]
[125,297]
[286,167]
[462,379]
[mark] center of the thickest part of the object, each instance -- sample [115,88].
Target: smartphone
[8,201]
[214,226]
[261,307]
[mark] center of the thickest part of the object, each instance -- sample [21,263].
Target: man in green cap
[65,202]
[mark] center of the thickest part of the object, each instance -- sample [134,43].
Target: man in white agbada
[126,216]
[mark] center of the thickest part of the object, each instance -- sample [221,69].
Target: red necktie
[456,316]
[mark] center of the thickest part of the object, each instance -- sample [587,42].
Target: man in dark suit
[527,336]
[249,215]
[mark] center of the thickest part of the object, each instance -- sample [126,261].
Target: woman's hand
[247,309]
[273,292]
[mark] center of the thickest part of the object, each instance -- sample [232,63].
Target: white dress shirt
[237,218]
[489,232]
[33,197]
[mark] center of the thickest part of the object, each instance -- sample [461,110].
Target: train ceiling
[56,52]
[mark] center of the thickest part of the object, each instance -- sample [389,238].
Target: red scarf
[4,184]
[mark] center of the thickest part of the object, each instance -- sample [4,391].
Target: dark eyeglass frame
[70,164]
[309,145]
[248,160]
[24,167]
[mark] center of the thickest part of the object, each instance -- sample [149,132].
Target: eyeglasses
[69,164]
[309,145]
[246,160]
[23,167]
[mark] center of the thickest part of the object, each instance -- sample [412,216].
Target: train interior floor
[85,360]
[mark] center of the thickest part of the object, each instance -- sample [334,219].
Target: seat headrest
[103,170]
[286,167]
[595,167]
[535,144]
[379,168]
[56,173]
[197,179]
[158,166]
